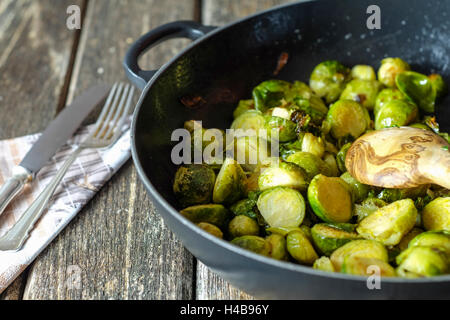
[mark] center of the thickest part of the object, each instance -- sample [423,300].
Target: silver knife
[56,134]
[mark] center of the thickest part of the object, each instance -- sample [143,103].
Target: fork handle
[13,186]
[18,234]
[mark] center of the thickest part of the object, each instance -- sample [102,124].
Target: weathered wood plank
[35,49]
[117,247]
[220,12]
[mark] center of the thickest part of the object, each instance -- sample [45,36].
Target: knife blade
[56,134]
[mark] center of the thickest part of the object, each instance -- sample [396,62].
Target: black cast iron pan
[222,66]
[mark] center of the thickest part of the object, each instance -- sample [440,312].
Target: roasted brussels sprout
[389,69]
[390,223]
[215,214]
[367,207]
[330,160]
[348,117]
[313,144]
[312,106]
[438,85]
[418,88]
[311,163]
[243,106]
[210,228]
[250,120]
[194,184]
[300,248]
[419,261]
[396,113]
[362,266]
[278,249]
[359,190]
[282,207]
[363,72]
[340,157]
[324,264]
[330,199]
[284,175]
[251,152]
[436,215]
[230,183]
[359,248]
[328,80]
[329,237]
[403,245]
[243,226]
[253,243]
[434,239]
[386,95]
[363,91]
[286,129]
[270,94]
[391,195]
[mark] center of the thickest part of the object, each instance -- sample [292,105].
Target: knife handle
[13,186]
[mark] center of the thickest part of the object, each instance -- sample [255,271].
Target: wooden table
[120,247]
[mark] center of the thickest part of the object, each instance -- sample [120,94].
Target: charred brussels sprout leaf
[436,215]
[328,237]
[300,248]
[282,207]
[230,183]
[194,184]
[418,88]
[348,117]
[390,223]
[396,113]
[330,199]
[363,91]
[328,80]
[389,69]
[215,214]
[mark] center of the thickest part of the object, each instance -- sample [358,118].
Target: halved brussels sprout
[362,266]
[419,261]
[278,249]
[270,94]
[215,214]
[389,69]
[243,106]
[434,239]
[396,113]
[313,144]
[230,183]
[403,245]
[390,223]
[250,120]
[312,106]
[330,199]
[285,175]
[363,72]
[385,96]
[330,160]
[418,88]
[348,117]
[436,215]
[439,85]
[286,128]
[251,152]
[194,184]
[359,248]
[328,80]
[311,163]
[210,228]
[367,207]
[340,158]
[253,243]
[282,207]
[324,264]
[363,91]
[359,190]
[242,226]
[328,237]
[300,248]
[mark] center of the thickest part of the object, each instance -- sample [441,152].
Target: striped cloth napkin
[86,176]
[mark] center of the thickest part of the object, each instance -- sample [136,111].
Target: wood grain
[214,12]
[35,50]
[117,247]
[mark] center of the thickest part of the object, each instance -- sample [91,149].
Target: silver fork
[103,134]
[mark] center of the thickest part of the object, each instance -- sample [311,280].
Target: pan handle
[179,29]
